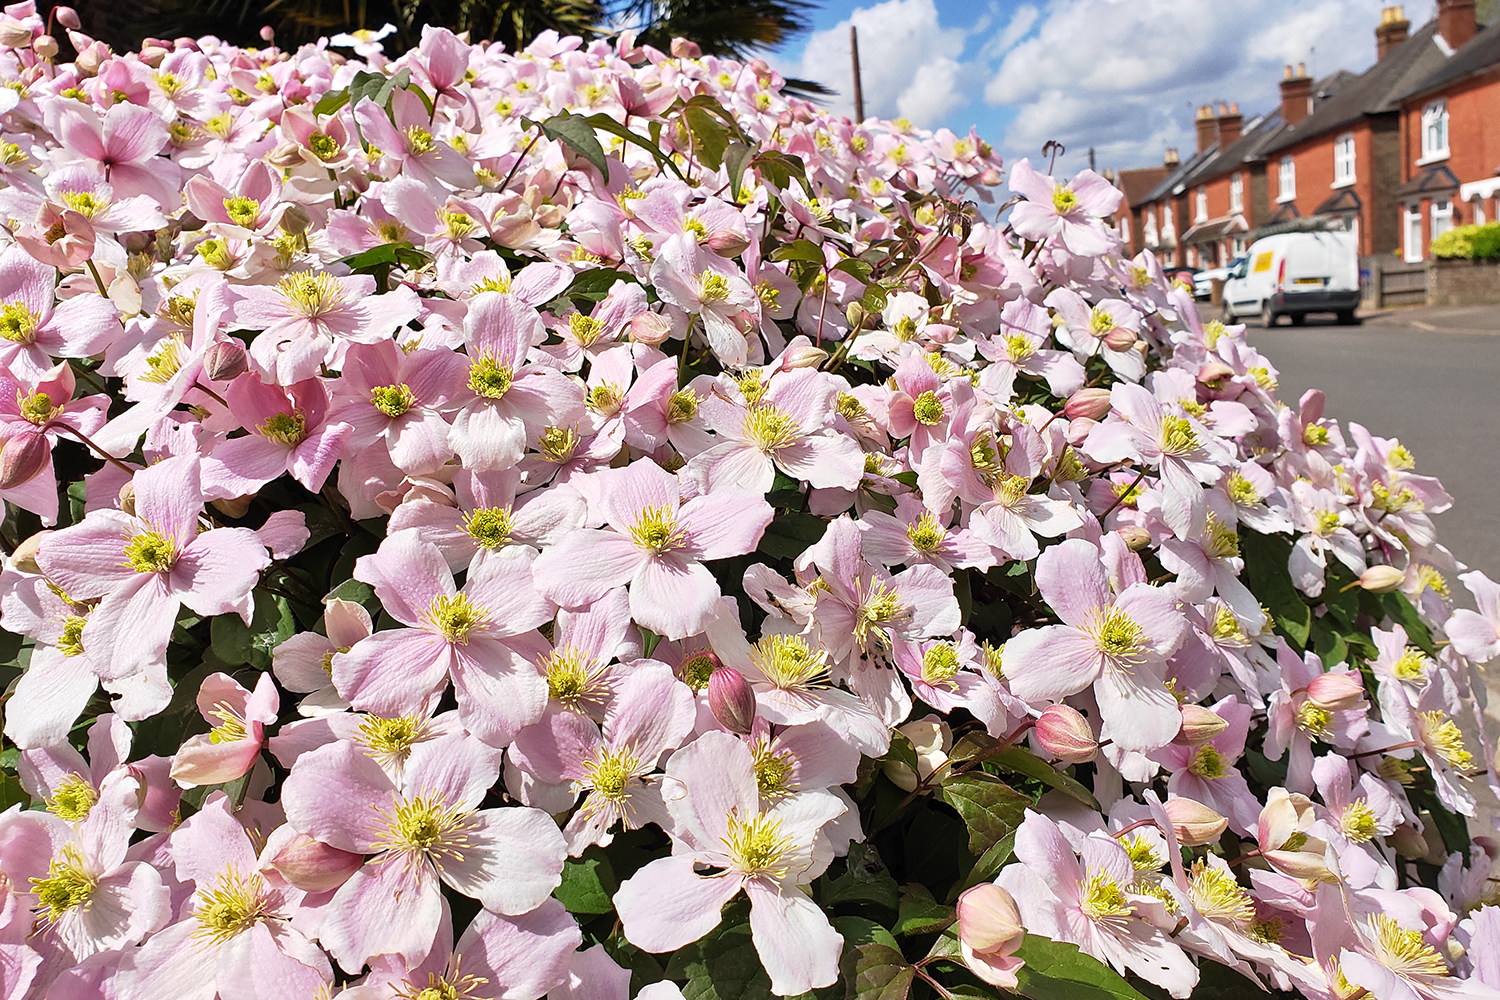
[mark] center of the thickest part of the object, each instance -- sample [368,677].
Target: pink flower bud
[313,866]
[1194,823]
[44,46]
[1199,725]
[267,33]
[728,243]
[684,49]
[1212,372]
[988,919]
[67,17]
[650,328]
[224,360]
[1066,734]
[1135,537]
[90,56]
[1336,692]
[1306,865]
[22,458]
[731,700]
[1381,579]
[152,55]
[806,356]
[1121,338]
[1091,403]
[25,555]
[990,177]
[1078,430]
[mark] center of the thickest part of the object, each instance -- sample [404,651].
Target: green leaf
[722,966]
[1056,970]
[881,973]
[862,930]
[991,861]
[355,592]
[920,913]
[736,159]
[790,534]
[855,268]
[331,102]
[1023,761]
[778,168]
[799,250]
[588,883]
[710,137]
[1268,577]
[11,792]
[1401,611]
[238,644]
[990,808]
[604,123]
[577,133]
[865,881]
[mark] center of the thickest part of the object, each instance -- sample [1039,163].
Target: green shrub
[1477,242]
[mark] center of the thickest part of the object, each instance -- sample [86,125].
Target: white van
[1293,274]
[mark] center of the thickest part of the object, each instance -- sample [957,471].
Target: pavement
[1430,377]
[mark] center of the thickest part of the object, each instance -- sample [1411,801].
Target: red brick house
[1450,137]
[1135,185]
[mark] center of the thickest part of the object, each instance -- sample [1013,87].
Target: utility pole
[859,90]
[1091,157]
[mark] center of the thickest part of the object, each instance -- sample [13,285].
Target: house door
[1412,243]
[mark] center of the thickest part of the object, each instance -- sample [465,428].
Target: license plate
[1307,281]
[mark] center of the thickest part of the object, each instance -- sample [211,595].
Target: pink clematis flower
[34,413]
[657,544]
[481,637]
[146,565]
[290,431]
[237,925]
[33,330]
[304,662]
[396,399]
[233,745]
[714,801]
[1476,634]
[1206,773]
[124,142]
[1117,645]
[408,146]
[1073,211]
[425,829]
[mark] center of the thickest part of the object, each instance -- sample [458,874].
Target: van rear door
[1310,262]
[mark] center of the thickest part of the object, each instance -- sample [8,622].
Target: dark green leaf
[991,861]
[919,913]
[355,592]
[865,881]
[1056,970]
[238,644]
[881,973]
[604,123]
[577,133]
[990,808]
[331,102]
[710,137]
[854,267]
[1023,761]
[1268,577]
[595,284]
[1404,614]
[588,883]
[790,534]
[778,168]
[861,930]
[11,792]
[736,159]
[722,966]
[799,250]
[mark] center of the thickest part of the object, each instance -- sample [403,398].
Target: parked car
[1203,281]
[1294,274]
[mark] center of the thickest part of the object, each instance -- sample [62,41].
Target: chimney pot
[1302,69]
[1288,74]
[1296,97]
[1392,31]
[1456,21]
[1206,126]
[1170,158]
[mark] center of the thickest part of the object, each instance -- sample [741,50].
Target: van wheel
[1268,318]
[1347,318]
[1299,318]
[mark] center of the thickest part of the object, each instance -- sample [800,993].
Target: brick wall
[1463,282]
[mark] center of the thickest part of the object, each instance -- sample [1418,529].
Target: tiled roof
[1432,180]
[1138,183]
[1376,90]
[1478,54]
[1175,177]
[1258,131]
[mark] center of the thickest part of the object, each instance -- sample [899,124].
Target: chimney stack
[1392,31]
[1206,126]
[1296,95]
[1456,21]
[1170,159]
[1230,123]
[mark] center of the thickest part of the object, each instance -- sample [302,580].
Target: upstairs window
[1237,193]
[1343,160]
[1435,131]
[1200,205]
[1286,179]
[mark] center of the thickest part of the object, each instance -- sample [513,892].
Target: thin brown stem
[97,280]
[1121,498]
[98,450]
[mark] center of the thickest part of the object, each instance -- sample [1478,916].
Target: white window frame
[1434,132]
[1200,204]
[1344,154]
[1479,214]
[1125,226]
[1440,217]
[1168,224]
[1150,233]
[1411,232]
[1237,193]
[1286,180]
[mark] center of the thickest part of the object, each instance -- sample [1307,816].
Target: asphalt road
[1430,377]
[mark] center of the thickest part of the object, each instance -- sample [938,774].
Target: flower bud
[932,739]
[22,458]
[126,498]
[267,33]
[224,360]
[1194,823]
[1336,692]
[1307,865]
[856,314]
[67,17]
[295,220]
[1381,579]
[1065,733]
[731,700]
[684,49]
[806,356]
[988,919]
[1199,725]
[14,34]
[91,56]
[990,177]
[1120,339]
[1135,537]
[728,243]
[1091,403]
[1078,430]
[313,866]
[152,55]
[1212,372]
[232,507]
[1408,842]
[650,328]
[24,557]
[44,46]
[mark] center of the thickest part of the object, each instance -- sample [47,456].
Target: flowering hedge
[578,521]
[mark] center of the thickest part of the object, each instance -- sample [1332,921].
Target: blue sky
[1122,76]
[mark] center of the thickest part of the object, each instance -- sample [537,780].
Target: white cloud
[910,64]
[1124,76]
